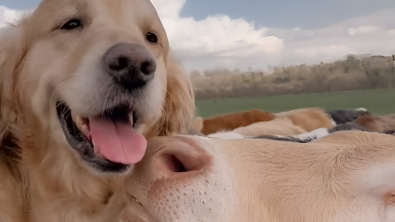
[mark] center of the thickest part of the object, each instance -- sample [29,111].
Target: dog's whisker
[55,89]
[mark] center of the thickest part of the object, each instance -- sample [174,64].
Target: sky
[257,34]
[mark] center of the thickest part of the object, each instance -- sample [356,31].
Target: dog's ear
[179,107]
[12,51]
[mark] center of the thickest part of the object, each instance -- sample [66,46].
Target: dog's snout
[131,65]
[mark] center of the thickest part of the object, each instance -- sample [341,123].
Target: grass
[376,101]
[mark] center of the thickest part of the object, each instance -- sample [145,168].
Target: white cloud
[362,30]
[222,42]
[317,51]
[216,36]
[372,33]
[219,41]
[8,16]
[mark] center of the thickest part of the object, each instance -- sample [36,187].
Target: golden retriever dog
[83,84]
[344,177]
[230,121]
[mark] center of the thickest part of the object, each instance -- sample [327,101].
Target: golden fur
[42,178]
[344,177]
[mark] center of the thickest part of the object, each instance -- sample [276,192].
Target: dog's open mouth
[108,142]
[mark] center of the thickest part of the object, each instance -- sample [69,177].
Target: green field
[376,101]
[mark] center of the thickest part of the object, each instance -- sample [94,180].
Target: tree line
[353,73]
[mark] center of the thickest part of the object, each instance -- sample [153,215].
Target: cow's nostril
[175,161]
[174,164]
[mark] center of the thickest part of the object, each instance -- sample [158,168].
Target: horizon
[227,36]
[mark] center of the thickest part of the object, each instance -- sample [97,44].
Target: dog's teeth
[78,120]
[85,130]
[82,125]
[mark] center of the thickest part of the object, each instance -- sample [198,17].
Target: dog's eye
[72,24]
[151,37]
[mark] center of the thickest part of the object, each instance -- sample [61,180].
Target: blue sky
[257,34]
[287,13]
[269,13]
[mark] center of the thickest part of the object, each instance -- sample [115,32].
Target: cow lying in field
[288,123]
[381,124]
[228,122]
[346,116]
[344,177]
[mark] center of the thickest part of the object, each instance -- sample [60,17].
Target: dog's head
[96,77]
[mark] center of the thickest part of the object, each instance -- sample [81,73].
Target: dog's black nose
[131,66]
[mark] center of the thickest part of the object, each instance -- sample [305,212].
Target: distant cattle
[231,121]
[346,116]
[308,119]
[381,124]
[290,123]
[281,126]
[256,123]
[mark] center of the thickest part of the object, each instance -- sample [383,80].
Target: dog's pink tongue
[117,141]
